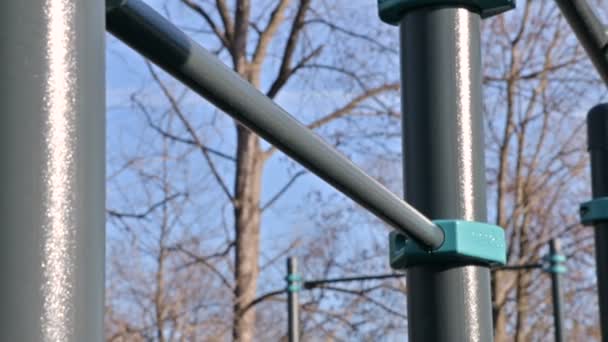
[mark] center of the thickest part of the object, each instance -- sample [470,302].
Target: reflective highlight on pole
[58,250]
[444,168]
[52,147]
[463,100]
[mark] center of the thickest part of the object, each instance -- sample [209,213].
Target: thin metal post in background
[597,134]
[52,150]
[294,284]
[444,166]
[154,37]
[590,32]
[555,269]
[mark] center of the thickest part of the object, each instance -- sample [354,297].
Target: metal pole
[590,32]
[293,306]
[52,139]
[444,166]
[150,34]
[556,289]
[597,131]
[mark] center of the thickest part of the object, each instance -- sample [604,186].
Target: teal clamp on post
[294,283]
[594,211]
[554,263]
[392,11]
[463,241]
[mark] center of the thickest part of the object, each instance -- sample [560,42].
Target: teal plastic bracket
[463,241]
[594,211]
[392,11]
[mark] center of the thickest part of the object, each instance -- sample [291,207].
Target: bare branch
[143,215]
[174,137]
[262,298]
[225,15]
[284,78]
[190,130]
[283,190]
[266,35]
[363,294]
[363,37]
[346,109]
[201,11]
[196,259]
[290,48]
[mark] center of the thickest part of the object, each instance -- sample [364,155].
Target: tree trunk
[500,297]
[247,215]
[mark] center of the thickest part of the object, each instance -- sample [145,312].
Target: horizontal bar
[315,283]
[148,33]
[590,32]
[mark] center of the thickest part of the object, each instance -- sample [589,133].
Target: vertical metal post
[556,290]
[444,166]
[294,282]
[52,150]
[597,131]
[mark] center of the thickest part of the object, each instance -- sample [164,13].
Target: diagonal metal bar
[147,32]
[590,32]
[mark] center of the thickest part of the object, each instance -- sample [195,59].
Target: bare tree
[188,204]
[270,44]
[537,78]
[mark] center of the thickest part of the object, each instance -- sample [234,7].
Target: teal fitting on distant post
[555,263]
[294,283]
[463,241]
[294,278]
[392,11]
[294,288]
[594,211]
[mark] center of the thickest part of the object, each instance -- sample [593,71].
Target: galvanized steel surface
[52,149]
[444,166]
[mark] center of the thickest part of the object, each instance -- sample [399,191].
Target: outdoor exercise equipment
[552,263]
[447,92]
[595,212]
[52,91]
[444,168]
